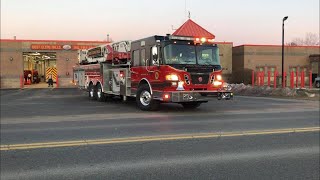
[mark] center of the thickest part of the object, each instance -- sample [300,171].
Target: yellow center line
[153,138]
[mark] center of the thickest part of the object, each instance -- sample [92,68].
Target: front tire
[145,100]
[191,105]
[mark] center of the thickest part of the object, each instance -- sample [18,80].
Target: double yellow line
[153,138]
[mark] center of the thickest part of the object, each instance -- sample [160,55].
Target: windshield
[208,55]
[180,54]
[190,54]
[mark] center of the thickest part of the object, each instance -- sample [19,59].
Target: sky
[240,22]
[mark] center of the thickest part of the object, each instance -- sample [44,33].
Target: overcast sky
[238,21]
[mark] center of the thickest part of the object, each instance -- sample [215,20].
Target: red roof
[192,29]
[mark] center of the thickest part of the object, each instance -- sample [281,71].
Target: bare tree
[311,39]
[296,42]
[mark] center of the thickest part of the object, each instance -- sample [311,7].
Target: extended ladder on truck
[115,53]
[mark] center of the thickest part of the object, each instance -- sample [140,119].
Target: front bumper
[193,96]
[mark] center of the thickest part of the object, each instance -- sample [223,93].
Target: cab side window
[143,57]
[136,58]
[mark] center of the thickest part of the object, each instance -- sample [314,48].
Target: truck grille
[199,78]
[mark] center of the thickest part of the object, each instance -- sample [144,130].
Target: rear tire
[191,105]
[145,100]
[99,94]
[318,84]
[91,90]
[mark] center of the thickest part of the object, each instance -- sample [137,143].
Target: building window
[304,69]
[294,69]
[266,69]
[272,70]
[315,67]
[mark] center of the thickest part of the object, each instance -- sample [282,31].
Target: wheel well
[145,82]
[98,82]
[90,84]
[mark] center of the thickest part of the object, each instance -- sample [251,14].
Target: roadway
[60,134]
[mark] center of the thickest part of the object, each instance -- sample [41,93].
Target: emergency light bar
[181,38]
[202,40]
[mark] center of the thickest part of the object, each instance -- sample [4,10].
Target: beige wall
[253,56]
[226,59]
[237,64]
[265,55]
[65,63]
[11,70]
[11,64]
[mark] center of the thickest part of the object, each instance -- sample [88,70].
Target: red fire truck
[157,69]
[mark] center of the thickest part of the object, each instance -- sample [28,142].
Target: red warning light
[121,74]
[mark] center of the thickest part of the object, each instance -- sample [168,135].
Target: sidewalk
[36,86]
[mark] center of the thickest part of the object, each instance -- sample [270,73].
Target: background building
[246,58]
[56,57]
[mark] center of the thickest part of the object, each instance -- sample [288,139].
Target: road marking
[154,138]
[117,116]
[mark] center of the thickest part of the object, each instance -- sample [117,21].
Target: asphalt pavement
[61,134]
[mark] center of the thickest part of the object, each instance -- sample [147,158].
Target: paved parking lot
[60,133]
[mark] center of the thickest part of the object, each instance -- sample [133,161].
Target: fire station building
[42,59]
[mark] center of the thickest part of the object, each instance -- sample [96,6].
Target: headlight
[172,77]
[217,83]
[219,77]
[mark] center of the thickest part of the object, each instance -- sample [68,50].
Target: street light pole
[283,76]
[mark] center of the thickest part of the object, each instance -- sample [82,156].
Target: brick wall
[225,51]
[250,57]
[237,65]
[11,60]
[11,64]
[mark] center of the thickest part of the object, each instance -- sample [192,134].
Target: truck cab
[177,69]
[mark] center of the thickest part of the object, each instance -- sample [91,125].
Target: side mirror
[155,63]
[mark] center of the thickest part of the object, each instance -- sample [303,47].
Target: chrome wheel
[145,98]
[91,92]
[99,92]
